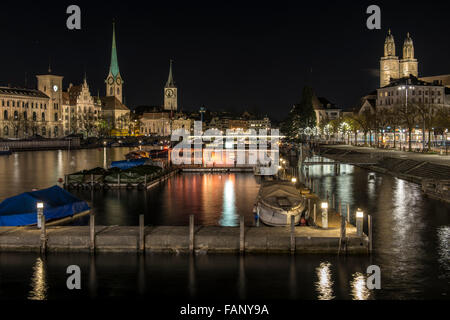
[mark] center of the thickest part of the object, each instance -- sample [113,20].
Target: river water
[411,239]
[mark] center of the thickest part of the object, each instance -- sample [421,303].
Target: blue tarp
[127,164]
[21,210]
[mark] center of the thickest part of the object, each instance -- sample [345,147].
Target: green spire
[170,82]
[114,67]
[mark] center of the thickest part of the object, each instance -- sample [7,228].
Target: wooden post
[369,222]
[348,213]
[118,180]
[334,202]
[342,234]
[92,233]
[292,234]
[242,235]
[43,236]
[309,207]
[145,180]
[340,208]
[191,233]
[92,181]
[314,212]
[141,233]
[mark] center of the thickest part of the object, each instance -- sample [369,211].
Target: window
[6,131]
[56,116]
[25,115]
[44,131]
[43,116]
[34,116]
[16,115]
[5,115]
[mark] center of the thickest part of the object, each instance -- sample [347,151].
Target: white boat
[277,201]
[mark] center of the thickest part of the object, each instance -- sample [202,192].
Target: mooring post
[334,202]
[342,234]
[141,233]
[292,234]
[340,208]
[92,233]
[314,212]
[43,236]
[369,222]
[309,207]
[348,213]
[145,180]
[92,181]
[118,180]
[191,233]
[242,235]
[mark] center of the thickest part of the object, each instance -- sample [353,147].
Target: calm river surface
[411,239]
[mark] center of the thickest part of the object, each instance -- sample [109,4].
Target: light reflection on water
[39,284]
[324,285]
[359,287]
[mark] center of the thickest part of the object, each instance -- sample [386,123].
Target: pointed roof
[170,82]
[114,67]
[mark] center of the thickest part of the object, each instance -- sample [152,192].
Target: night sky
[227,55]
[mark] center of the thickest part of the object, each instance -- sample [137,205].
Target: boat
[21,210]
[437,189]
[137,154]
[5,151]
[127,164]
[277,201]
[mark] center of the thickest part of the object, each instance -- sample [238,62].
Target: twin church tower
[114,81]
[391,67]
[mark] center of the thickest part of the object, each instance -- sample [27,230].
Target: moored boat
[277,201]
[5,151]
[21,210]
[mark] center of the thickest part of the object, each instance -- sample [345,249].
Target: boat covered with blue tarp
[127,164]
[20,210]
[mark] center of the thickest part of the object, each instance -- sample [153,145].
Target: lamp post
[324,207]
[40,213]
[359,222]
[406,101]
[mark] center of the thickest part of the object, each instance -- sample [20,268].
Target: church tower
[389,64]
[408,65]
[170,92]
[114,81]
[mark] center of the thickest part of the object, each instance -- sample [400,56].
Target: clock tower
[114,81]
[170,93]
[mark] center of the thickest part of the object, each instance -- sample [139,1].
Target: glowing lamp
[324,205]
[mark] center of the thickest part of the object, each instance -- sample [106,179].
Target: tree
[301,117]
[353,125]
[364,120]
[408,116]
[382,122]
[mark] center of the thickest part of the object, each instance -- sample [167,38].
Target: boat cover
[21,210]
[280,194]
[126,164]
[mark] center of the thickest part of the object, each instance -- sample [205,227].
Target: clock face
[169,93]
[55,88]
[118,81]
[110,80]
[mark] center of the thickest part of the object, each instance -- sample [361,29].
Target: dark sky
[228,55]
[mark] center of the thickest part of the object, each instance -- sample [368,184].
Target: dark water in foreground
[411,240]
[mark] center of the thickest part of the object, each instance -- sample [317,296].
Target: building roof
[112,103]
[170,83]
[114,67]
[411,80]
[74,92]
[23,92]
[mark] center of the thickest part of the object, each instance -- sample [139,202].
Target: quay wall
[176,239]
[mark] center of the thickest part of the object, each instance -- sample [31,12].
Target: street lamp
[294,180]
[324,207]
[359,222]
[40,213]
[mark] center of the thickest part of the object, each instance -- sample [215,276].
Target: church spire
[114,67]
[170,82]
